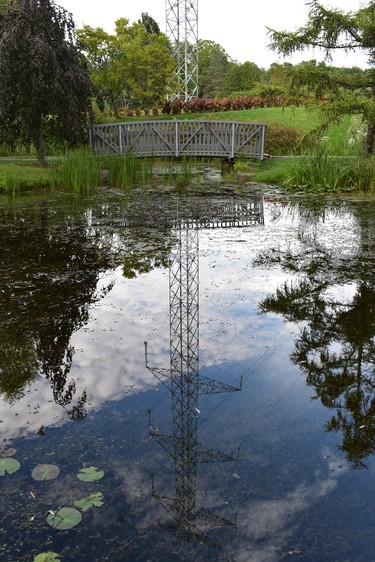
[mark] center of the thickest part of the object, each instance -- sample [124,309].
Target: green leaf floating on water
[94,500]
[9,465]
[47,557]
[90,474]
[45,472]
[64,518]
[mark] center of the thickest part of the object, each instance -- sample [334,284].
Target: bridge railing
[226,139]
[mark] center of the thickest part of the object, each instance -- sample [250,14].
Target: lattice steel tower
[182,30]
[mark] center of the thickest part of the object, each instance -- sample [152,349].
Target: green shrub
[282,139]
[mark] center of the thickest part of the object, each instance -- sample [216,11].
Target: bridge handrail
[227,139]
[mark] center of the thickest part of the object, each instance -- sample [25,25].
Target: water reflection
[54,270]
[291,488]
[50,269]
[183,378]
[333,299]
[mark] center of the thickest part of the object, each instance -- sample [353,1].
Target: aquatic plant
[321,172]
[77,170]
[64,518]
[122,170]
[93,500]
[362,174]
[9,465]
[318,172]
[47,557]
[90,474]
[45,472]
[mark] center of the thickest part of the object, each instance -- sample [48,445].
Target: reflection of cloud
[109,352]
[271,522]
[109,360]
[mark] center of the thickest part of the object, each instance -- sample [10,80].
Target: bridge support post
[227,166]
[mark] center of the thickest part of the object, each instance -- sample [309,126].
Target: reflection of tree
[52,260]
[144,255]
[49,277]
[336,346]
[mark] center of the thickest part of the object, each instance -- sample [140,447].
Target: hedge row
[225,104]
[199,105]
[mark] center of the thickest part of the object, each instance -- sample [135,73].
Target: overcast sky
[238,25]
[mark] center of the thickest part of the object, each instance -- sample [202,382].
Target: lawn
[22,173]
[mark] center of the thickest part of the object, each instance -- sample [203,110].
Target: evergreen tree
[330,30]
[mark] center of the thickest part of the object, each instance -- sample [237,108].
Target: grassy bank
[314,170]
[318,172]
[22,175]
[78,171]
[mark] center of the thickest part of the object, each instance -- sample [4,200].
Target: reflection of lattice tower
[185,383]
[182,30]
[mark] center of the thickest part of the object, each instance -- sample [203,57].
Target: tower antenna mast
[182,31]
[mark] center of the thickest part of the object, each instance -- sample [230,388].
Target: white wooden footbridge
[180,138]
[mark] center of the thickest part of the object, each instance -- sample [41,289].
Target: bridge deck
[225,139]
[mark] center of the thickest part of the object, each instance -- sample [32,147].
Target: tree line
[53,76]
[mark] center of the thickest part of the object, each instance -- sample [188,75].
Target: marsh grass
[317,172]
[178,171]
[126,171]
[77,170]
[362,174]
[321,172]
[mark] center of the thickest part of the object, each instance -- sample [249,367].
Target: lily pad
[9,452]
[64,518]
[45,472]
[90,474]
[47,557]
[9,465]
[94,500]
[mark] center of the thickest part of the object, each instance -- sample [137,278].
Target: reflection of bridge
[183,378]
[223,139]
[201,213]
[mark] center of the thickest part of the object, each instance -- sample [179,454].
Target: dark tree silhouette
[43,76]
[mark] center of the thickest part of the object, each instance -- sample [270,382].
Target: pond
[190,372]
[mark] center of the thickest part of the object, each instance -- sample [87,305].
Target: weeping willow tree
[334,30]
[43,76]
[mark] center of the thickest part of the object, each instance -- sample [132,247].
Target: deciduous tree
[135,63]
[206,51]
[148,63]
[106,64]
[241,78]
[42,75]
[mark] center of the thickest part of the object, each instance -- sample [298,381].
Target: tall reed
[362,174]
[319,172]
[125,171]
[77,170]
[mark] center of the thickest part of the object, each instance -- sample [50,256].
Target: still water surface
[247,430]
